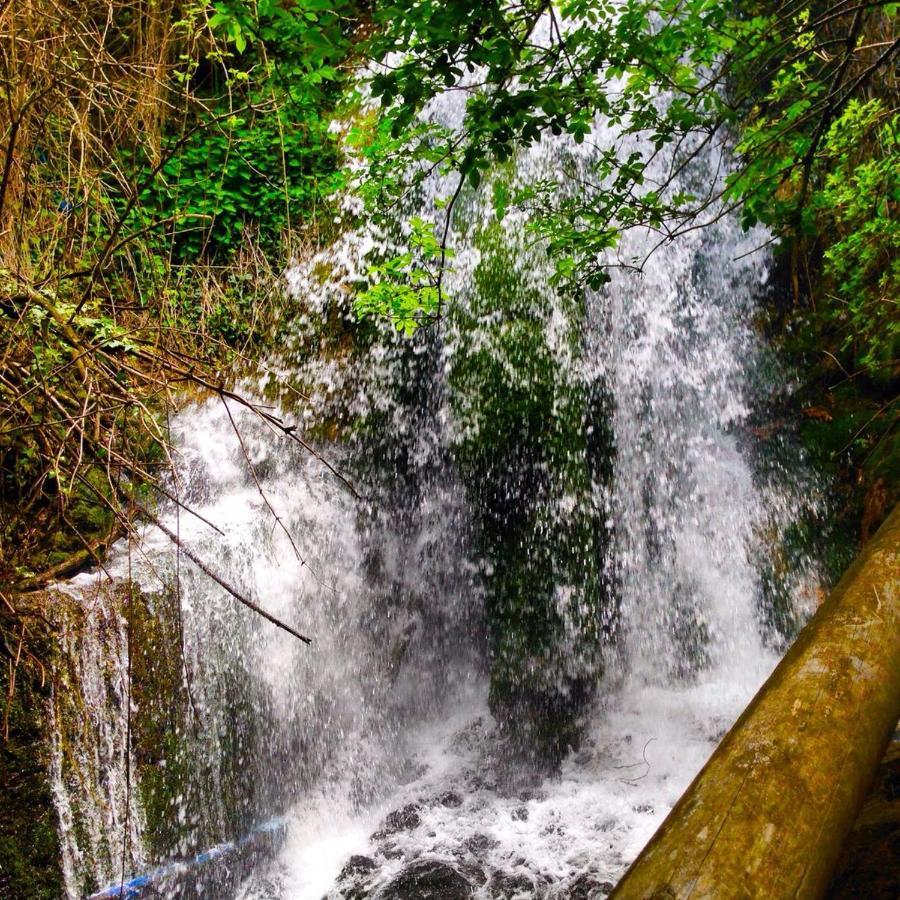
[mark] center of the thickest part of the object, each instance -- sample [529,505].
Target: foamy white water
[591,819]
[377,740]
[676,350]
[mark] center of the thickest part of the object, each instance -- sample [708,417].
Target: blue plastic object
[273,829]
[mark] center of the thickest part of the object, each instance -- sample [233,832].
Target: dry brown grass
[92,344]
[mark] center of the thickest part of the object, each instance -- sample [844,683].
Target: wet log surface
[770,813]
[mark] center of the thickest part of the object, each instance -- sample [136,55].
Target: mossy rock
[29,845]
[535,443]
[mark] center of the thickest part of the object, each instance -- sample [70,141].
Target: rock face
[356,866]
[428,879]
[353,877]
[404,819]
[870,862]
[450,798]
[478,843]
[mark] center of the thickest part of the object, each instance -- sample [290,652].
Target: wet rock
[520,813]
[404,819]
[484,781]
[356,866]
[350,891]
[586,887]
[352,882]
[504,886]
[474,874]
[479,843]
[429,879]
[450,798]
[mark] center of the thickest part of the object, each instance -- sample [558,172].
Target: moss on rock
[534,459]
[29,846]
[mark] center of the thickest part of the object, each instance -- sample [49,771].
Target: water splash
[646,517]
[689,510]
[100,817]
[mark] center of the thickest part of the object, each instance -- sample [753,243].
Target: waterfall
[546,609]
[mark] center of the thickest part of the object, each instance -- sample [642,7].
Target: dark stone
[450,798]
[478,843]
[357,865]
[29,846]
[511,887]
[352,891]
[473,873]
[586,887]
[870,863]
[429,879]
[404,819]
[520,813]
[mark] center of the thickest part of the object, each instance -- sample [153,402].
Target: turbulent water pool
[561,580]
[569,835]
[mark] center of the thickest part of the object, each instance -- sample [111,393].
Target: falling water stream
[378,741]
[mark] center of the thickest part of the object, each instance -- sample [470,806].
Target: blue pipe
[135,886]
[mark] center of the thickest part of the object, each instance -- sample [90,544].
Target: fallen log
[769,813]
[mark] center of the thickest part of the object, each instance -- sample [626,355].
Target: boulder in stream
[404,819]
[357,865]
[429,879]
[506,886]
[586,887]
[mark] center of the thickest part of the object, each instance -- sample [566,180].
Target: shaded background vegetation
[158,161]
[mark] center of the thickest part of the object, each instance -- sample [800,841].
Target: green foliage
[816,165]
[258,155]
[857,206]
[766,74]
[820,169]
[407,289]
[600,59]
[258,174]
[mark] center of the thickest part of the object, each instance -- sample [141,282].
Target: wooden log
[769,813]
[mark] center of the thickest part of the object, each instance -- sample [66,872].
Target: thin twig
[209,572]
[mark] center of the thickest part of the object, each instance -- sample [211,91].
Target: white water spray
[387,712]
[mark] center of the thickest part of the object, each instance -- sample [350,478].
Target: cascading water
[559,551]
